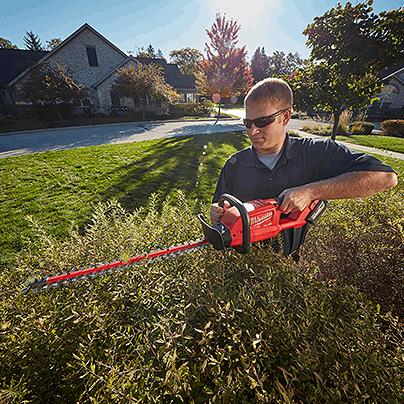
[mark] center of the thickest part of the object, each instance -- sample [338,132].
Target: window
[92,56]
[191,98]
[115,99]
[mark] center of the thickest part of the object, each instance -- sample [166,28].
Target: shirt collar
[290,150]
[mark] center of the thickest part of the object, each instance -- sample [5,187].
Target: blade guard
[219,234]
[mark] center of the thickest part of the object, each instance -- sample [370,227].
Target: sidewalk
[364,149]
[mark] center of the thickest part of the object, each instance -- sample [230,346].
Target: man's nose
[254,130]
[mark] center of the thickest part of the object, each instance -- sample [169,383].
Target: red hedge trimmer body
[240,225]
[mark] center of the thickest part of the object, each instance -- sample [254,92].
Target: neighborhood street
[16,144]
[20,143]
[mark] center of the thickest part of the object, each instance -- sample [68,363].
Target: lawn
[391,143]
[59,189]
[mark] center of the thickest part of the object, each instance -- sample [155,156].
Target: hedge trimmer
[240,225]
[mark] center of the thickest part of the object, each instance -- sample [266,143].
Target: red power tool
[240,225]
[257,220]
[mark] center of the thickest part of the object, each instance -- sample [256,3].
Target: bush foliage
[393,127]
[361,128]
[190,109]
[211,327]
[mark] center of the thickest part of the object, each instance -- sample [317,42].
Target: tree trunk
[337,113]
[59,113]
[218,113]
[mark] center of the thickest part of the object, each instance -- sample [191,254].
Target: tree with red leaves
[225,71]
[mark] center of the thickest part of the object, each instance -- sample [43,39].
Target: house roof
[63,43]
[97,83]
[391,71]
[14,73]
[15,61]
[172,73]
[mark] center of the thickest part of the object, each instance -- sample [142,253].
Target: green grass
[391,143]
[59,189]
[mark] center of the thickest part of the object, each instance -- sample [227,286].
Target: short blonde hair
[272,90]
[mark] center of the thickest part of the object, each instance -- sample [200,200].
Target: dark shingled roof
[14,61]
[172,73]
[390,70]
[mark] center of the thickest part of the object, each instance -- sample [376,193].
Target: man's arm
[348,185]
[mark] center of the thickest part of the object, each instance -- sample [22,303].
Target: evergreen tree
[32,42]
[259,65]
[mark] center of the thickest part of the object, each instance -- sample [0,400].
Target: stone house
[92,60]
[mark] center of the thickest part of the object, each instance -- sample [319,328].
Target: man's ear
[286,117]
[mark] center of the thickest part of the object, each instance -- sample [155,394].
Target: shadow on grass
[191,164]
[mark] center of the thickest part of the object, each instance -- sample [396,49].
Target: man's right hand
[216,212]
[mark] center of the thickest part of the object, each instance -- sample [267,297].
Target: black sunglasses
[263,121]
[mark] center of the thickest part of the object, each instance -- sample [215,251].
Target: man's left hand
[295,199]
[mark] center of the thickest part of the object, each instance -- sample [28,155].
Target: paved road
[67,138]
[16,144]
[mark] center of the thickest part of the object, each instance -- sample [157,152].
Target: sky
[170,24]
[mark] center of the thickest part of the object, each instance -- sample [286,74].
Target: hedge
[211,327]
[393,127]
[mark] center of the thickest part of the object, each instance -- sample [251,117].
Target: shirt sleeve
[339,160]
[223,184]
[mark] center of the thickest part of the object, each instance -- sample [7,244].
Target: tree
[259,65]
[144,82]
[187,59]
[350,45]
[6,44]
[49,85]
[281,65]
[149,52]
[32,42]
[225,71]
[53,43]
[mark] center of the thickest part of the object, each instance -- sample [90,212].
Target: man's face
[270,138]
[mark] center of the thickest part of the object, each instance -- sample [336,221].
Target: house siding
[74,56]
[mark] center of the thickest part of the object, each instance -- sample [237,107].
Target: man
[295,170]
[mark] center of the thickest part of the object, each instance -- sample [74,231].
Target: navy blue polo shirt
[302,161]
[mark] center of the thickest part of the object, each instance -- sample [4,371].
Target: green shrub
[211,327]
[317,128]
[195,109]
[393,127]
[343,123]
[361,242]
[361,128]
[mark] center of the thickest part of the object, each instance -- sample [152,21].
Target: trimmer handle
[245,219]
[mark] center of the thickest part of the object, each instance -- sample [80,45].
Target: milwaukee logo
[261,219]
